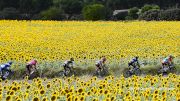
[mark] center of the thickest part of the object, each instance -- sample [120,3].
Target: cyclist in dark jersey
[68,64]
[5,68]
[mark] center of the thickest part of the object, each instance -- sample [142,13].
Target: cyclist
[100,64]
[68,64]
[6,69]
[168,61]
[30,65]
[134,63]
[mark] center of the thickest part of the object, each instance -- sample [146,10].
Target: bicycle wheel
[160,71]
[34,75]
[104,72]
[127,74]
[137,72]
[24,75]
[61,73]
[5,75]
[96,73]
[172,69]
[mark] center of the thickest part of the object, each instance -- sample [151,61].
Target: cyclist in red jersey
[30,65]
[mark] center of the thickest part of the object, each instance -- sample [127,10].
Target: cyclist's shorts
[97,65]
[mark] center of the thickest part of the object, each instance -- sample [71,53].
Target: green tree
[170,14]
[117,4]
[149,7]
[40,5]
[71,6]
[149,15]
[9,13]
[9,3]
[94,12]
[25,6]
[52,13]
[133,13]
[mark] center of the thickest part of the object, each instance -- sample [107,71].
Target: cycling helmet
[10,62]
[103,59]
[35,60]
[170,56]
[136,57]
[72,59]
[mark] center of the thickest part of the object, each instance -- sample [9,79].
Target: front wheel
[105,72]
[62,73]
[34,75]
[137,72]
[6,75]
[172,69]
[31,76]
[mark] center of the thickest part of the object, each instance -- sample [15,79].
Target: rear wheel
[34,75]
[70,73]
[31,76]
[104,72]
[96,73]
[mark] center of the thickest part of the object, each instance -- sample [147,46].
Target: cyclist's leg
[133,67]
[97,69]
[162,65]
[5,75]
[65,70]
[71,69]
[28,69]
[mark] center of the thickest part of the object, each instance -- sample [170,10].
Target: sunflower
[36,92]
[163,93]
[105,92]
[156,92]
[113,98]
[6,81]
[107,99]
[69,99]
[53,98]
[14,88]
[94,99]
[48,85]
[68,95]
[36,99]
[80,90]
[82,98]
[76,98]
[89,93]
[42,92]
[26,78]
[18,99]
[5,87]
[152,83]
[101,91]
[11,93]
[8,98]
[45,99]
[26,95]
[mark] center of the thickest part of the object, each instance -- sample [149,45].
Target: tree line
[90,9]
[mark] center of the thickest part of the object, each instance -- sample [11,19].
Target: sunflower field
[148,88]
[50,40]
